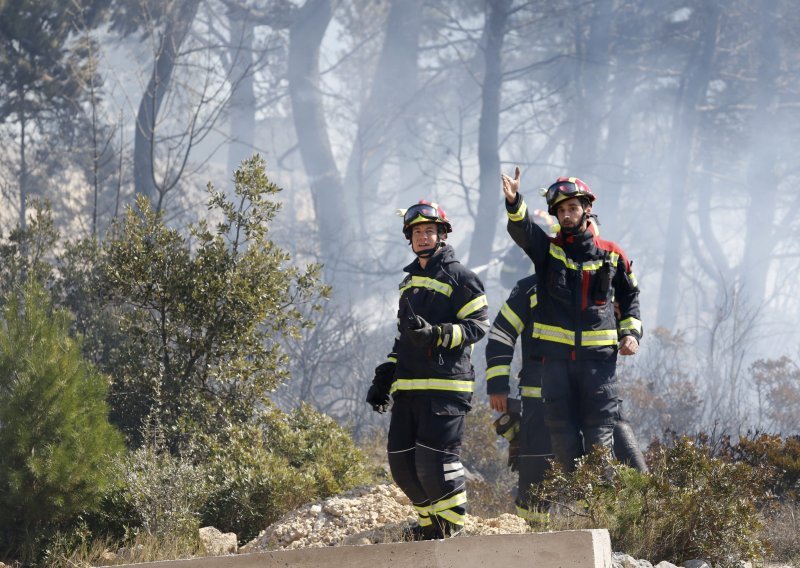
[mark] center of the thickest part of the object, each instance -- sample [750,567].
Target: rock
[665,564]
[696,563]
[216,543]
[108,557]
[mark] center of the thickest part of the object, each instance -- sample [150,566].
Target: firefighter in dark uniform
[576,332]
[528,436]
[443,311]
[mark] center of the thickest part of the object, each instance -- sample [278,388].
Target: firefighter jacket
[444,292]
[514,320]
[581,277]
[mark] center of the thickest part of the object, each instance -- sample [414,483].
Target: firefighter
[576,333]
[429,375]
[528,436]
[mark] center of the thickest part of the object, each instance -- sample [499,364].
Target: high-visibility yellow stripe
[531,392]
[520,213]
[553,333]
[423,509]
[631,324]
[512,317]
[458,337]
[432,384]
[632,277]
[454,501]
[600,337]
[558,253]
[472,306]
[498,371]
[430,284]
[391,359]
[424,521]
[534,301]
[453,517]
[591,266]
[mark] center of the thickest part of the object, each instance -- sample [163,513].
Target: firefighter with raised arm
[576,333]
[522,419]
[429,375]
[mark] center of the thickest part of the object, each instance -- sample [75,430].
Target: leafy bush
[192,325]
[690,504]
[268,468]
[55,438]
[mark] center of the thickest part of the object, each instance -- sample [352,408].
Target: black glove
[378,398]
[507,425]
[378,394]
[384,374]
[423,334]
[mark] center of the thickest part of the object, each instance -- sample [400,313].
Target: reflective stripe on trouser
[580,397]
[424,447]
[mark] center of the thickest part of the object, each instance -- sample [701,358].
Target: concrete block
[566,549]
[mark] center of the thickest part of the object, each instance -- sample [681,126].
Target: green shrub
[55,440]
[268,468]
[690,504]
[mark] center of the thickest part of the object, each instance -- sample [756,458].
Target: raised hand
[511,186]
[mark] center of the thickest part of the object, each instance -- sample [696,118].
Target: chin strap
[429,252]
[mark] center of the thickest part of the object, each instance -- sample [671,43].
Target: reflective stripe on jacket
[580,279]
[445,292]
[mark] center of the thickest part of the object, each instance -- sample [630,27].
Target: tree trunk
[177,27]
[489,200]
[592,84]
[242,105]
[305,37]
[380,121]
[762,179]
[23,171]
[685,123]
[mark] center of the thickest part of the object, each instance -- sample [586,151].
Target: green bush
[690,504]
[266,469]
[55,440]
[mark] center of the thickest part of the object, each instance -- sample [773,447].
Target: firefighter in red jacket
[576,333]
[443,312]
[524,427]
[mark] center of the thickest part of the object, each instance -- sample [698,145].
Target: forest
[206,192]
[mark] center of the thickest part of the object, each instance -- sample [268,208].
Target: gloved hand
[423,334]
[384,374]
[378,398]
[507,425]
[378,394]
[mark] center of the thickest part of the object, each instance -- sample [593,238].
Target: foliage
[39,71]
[690,504]
[777,383]
[266,469]
[55,438]
[26,254]
[769,451]
[165,491]
[199,321]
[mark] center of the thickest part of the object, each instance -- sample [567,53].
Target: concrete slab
[566,549]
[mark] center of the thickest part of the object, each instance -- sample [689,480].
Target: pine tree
[55,438]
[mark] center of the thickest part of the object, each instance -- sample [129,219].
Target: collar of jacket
[444,255]
[580,245]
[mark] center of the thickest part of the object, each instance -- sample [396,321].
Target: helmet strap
[441,235]
[579,228]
